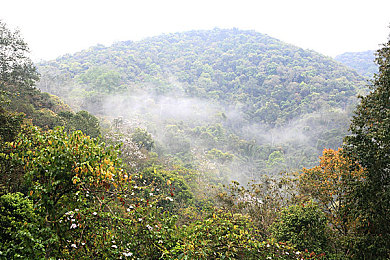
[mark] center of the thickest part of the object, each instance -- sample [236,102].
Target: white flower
[74,246]
[73,226]
[82,243]
[150,194]
[73,220]
[114,246]
[128,210]
[268,245]
[169,198]
[149,227]
[76,209]
[128,254]
[268,257]
[140,219]
[94,213]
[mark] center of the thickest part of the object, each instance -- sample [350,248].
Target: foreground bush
[21,234]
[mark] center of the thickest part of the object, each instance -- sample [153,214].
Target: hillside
[22,102]
[266,105]
[241,68]
[159,179]
[362,62]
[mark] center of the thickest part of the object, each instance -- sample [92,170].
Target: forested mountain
[273,81]
[362,62]
[246,101]
[150,181]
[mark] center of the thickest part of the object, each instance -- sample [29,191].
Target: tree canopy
[74,187]
[362,62]
[369,145]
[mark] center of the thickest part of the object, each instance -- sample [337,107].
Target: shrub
[21,236]
[304,227]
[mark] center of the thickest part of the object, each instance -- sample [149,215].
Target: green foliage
[91,207]
[219,155]
[101,79]
[274,81]
[22,236]
[83,121]
[57,165]
[362,62]
[143,139]
[219,89]
[70,196]
[226,236]
[10,125]
[16,68]
[261,200]
[369,145]
[176,193]
[41,108]
[275,158]
[141,230]
[18,76]
[304,227]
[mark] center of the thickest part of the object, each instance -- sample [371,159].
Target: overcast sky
[53,27]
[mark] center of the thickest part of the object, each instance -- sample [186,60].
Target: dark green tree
[369,145]
[16,72]
[304,227]
[143,139]
[9,125]
[16,68]
[82,120]
[21,237]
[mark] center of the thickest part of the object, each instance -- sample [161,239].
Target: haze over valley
[229,90]
[194,130]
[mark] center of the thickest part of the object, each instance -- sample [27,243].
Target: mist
[176,123]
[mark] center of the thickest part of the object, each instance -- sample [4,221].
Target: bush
[21,236]
[304,227]
[227,236]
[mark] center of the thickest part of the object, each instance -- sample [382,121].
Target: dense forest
[195,145]
[247,102]
[362,62]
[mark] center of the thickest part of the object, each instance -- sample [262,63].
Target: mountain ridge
[362,62]
[266,105]
[221,61]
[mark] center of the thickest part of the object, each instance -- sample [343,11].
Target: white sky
[56,27]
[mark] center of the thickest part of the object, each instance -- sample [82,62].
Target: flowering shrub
[223,235]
